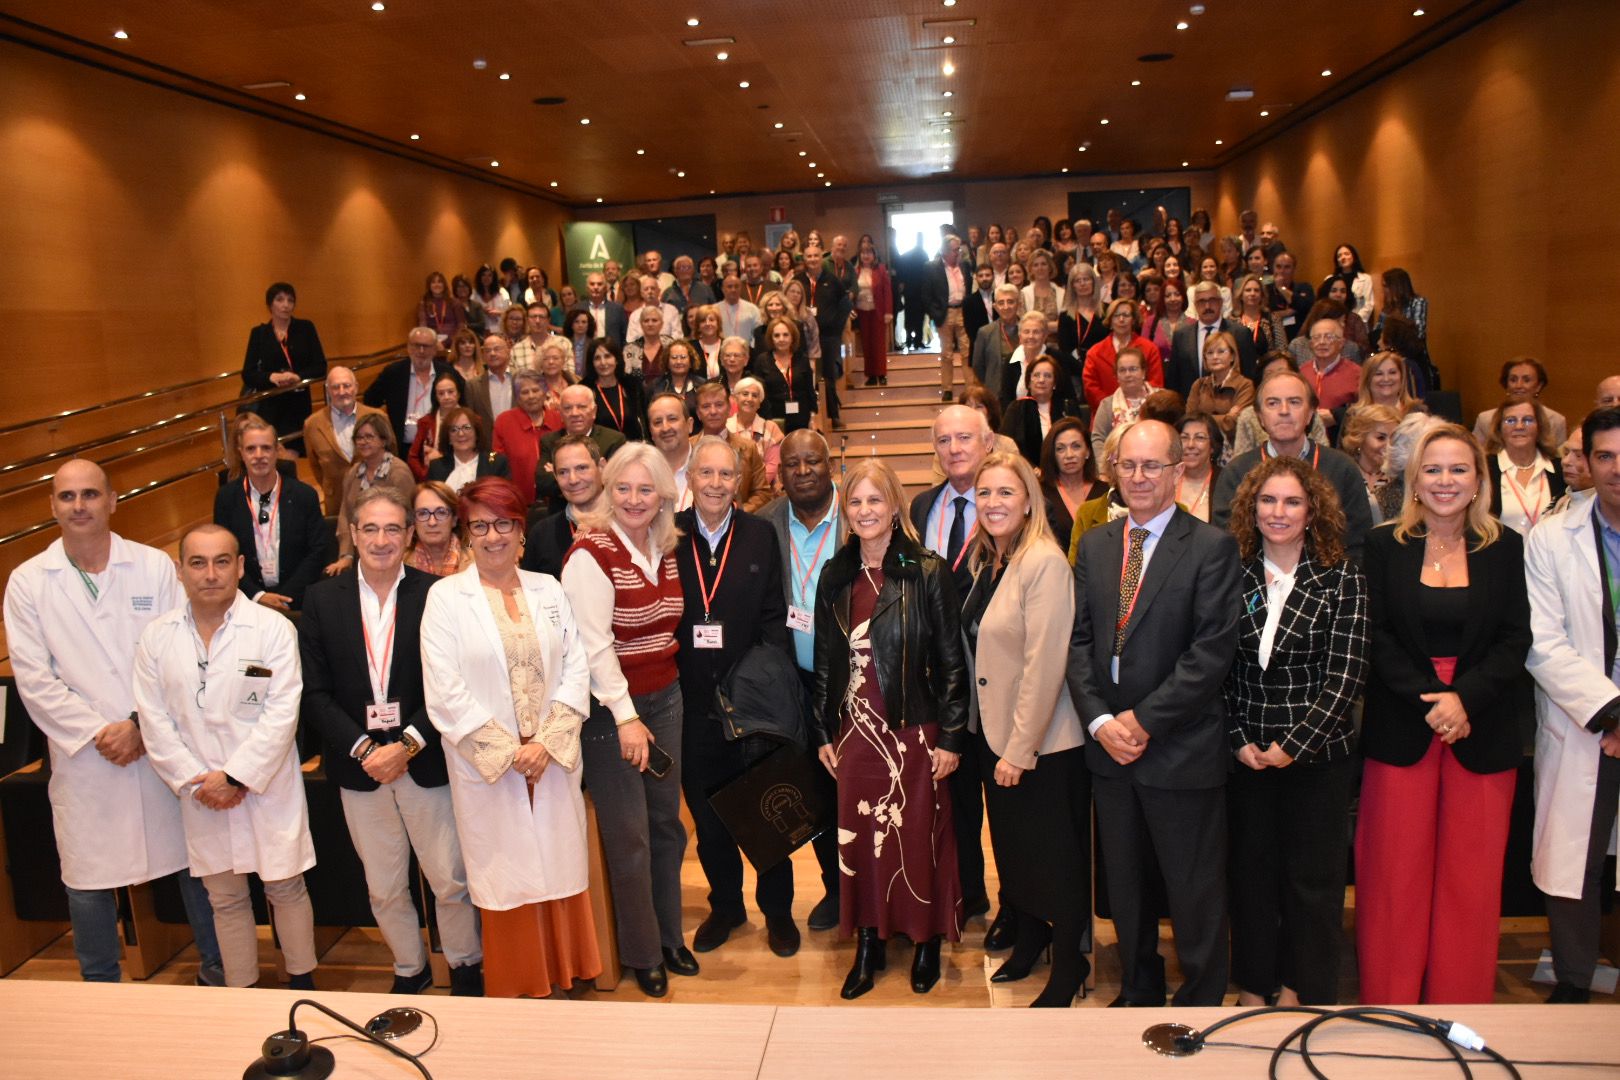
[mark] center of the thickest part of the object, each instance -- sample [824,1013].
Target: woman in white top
[1209,269]
[1122,405]
[1127,247]
[1041,294]
[706,324]
[465,449]
[1524,481]
[746,398]
[507,685]
[1347,264]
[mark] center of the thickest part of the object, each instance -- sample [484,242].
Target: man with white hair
[329,434]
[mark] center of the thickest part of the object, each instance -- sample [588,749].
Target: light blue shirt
[937,536]
[1611,559]
[1155,527]
[808,552]
[712,538]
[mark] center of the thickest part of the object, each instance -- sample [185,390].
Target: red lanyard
[815,560]
[618,418]
[281,339]
[755,292]
[379,675]
[1007,336]
[1513,485]
[1316,452]
[788,375]
[697,560]
[263,538]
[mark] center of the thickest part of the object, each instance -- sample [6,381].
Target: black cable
[1366,1055]
[363,1033]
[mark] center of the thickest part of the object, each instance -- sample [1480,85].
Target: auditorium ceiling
[811,93]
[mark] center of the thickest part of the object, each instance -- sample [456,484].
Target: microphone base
[317,1064]
[1171,1040]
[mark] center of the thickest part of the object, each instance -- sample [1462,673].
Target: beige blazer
[325,457]
[1023,651]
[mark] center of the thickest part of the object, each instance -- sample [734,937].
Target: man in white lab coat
[1572,571]
[73,614]
[217,682]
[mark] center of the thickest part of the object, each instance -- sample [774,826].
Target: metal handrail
[134,492]
[370,361]
[185,436]
[147,395]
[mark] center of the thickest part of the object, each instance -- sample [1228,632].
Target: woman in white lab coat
[1567,593]
[507,685]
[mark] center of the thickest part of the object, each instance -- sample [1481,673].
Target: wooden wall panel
[141,227]
[1487,169]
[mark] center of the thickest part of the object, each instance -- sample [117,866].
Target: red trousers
[1429,847]
[874,332]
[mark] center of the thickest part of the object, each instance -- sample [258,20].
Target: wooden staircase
[893,422]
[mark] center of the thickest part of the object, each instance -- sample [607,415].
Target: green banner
[587,245]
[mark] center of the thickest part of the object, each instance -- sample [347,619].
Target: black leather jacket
[916,636]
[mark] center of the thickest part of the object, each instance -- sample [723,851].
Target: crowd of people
[1211,576]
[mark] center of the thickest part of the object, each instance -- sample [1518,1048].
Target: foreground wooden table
[134,1032]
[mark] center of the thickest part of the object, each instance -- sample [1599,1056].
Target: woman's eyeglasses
[436,513]
[481,528]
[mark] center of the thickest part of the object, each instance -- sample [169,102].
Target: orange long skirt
[530,949]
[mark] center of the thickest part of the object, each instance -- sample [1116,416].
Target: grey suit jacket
[1179,646]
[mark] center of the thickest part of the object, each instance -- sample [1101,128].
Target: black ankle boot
[869,960]
[925,966]
[1034,938]
[1067,980]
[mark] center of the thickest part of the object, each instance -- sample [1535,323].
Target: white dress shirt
[591,595]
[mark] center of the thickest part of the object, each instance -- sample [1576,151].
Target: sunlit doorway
[913,226]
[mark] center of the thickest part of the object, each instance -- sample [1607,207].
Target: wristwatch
[413,745]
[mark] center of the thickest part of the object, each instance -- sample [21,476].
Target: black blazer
[974,315]
[491,464]
[1182,365]
[763,368]
[832,302]
[918,511]
[1074,340]
[1491,678]
[1555,485]
[625,413]
[748,602]
[937,288]
[549,540]
[308,544]
[264,358]
[1179,645]
[1022,423]
[337,682]
[392,392]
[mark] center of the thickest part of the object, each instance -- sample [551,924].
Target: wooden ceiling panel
[860,84]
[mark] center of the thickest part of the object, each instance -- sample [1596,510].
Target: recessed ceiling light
[506,76]
[1220,142]
[949,69]
[948,39]
[1265,112]
[1197,9]
[812,164]
[415,137]
[1181,26]
[494,164]
[803,153]
[1183,164]
[826,183]
[947,94]
[819,175]
[722,56]
[947,112]
[1082,149]
[639,153]
[299,97]
[554,183]
[743,85]
[777,125]
[1065,169]
[691,22]
[1418,13]
[379,6]
[1136,82]
[681,174]
[584,120]
[480,64]
[950,3]
[121,35]
[1326,72]
[1103,121]
[599,198]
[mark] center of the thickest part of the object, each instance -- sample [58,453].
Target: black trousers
[826,844]
[1575,925]
[1288,844]
[1184,833]
[832,365]
[916,312]
[710,762]
[967,810]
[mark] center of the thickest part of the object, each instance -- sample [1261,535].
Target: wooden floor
[744,971]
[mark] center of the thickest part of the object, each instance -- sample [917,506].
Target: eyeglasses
[1150,470]
[1195,436]
[436,513]
[460,429]
[371,532]
[481,528]
[1518,421]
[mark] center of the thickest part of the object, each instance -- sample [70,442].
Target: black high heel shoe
[1034,938]
[1067,981]
[870,959]
[925,967]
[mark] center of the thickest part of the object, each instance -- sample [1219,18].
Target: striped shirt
[630,639]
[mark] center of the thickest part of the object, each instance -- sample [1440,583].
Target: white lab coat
[72,659]
[246,726]
[1566,659]
[516,854]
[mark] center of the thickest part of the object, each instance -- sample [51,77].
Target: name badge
[382,717]
[793,408]
[1288,320]
[801,620]
[708,636]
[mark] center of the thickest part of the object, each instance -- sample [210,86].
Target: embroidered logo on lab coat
[142,603]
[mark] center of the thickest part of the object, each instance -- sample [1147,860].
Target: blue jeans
[99,945]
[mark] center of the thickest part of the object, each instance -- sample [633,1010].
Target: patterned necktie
[1127,587]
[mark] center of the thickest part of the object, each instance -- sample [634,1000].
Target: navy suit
[308,544]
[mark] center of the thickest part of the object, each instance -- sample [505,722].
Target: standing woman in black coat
[283,352]
[1447,691]
[890,713]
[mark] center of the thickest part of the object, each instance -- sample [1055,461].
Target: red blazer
[882,292]
[427,433]
[1098,376]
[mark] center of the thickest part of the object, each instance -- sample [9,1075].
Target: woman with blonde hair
[1037,788]
[467,354]
[1447,699]
[889,716]
[1384,382]
[1366,439]
[621,580]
